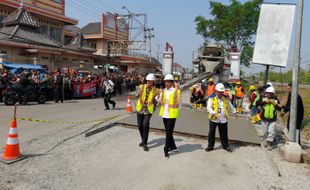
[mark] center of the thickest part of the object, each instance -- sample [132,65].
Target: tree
[233,24]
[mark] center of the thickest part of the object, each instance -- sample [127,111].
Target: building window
[55,33]
[93,45]
[1,18]
[86,61]
[43,29]
[45,58]
[74,60]
[4,52]
[65,59]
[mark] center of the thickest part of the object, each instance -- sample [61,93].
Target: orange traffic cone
[11,152]
[129,107]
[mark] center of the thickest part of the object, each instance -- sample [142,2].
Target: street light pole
[294,93]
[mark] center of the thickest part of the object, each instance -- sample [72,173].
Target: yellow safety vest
[215,106]
[150,100]
[269,110]
[173,104]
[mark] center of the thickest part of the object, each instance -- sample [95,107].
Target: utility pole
[294,94]
[266,75]
[149,35]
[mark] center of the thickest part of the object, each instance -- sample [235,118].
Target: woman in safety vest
[170,103]
[270,105]
[219,107]
[239,93]
[145,108]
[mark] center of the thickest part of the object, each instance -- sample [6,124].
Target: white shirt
[166,106]
[222,117]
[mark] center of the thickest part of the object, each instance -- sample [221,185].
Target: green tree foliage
[235,23]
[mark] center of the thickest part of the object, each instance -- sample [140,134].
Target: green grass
[304,93]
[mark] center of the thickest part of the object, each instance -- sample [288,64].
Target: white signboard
[274,33]
[234,65]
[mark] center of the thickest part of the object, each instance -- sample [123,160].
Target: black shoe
[114,105]
[107,109]
[175,149]
[228,149]
[141,144]
[208,149]
[166,154]
[145,148]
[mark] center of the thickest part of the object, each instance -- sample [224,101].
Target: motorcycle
[32,93]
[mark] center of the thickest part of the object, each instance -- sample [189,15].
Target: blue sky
[173,21]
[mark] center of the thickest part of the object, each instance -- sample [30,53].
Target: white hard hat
[271,90]
[150,77]
[269,84]
[169,77]
[220,87]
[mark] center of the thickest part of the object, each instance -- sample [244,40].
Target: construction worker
[170,103]
[210,88]
[145,108]
[196,96]
[254,98]
[270,104]
[239,93]
[219,108]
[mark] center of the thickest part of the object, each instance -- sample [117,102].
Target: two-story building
[34,32]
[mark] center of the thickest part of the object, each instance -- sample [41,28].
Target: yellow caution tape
[70,122]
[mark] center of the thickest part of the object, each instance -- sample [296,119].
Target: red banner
[85,90]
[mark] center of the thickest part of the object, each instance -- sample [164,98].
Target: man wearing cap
[239,93]
[270,104]
[145,108]
[170,102]
[210,88]
[219,107]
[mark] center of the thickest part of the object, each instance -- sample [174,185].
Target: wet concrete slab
[194,122]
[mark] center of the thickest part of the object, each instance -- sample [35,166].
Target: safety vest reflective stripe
[270,111]
[150,100]
[173,104]
[256,99]
[215,106]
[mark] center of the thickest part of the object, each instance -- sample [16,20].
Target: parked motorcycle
[31,93]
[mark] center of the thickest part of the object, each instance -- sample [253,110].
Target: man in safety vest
[210,88]
[145,108]
[219,108]
[270,104]
[170,103]
[239,93]
[254,108]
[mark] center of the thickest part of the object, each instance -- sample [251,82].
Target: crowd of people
[61,85]
[263,103]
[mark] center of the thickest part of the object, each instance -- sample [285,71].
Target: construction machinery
[212,61]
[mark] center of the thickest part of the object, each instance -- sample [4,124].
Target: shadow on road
[160,142]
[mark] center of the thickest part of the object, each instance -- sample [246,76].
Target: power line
[116,11]
[90,12]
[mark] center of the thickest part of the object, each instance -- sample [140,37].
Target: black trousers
[223,130]
[107,100]
[144,126]
[169,127]
[58,94]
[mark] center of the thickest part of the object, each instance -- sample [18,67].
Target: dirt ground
[112,160]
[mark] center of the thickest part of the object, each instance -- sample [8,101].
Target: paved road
[74,110]
[60,157]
